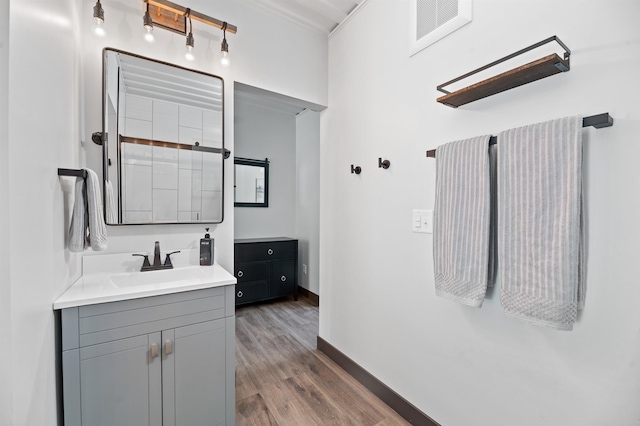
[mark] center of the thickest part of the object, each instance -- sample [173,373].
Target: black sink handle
[145,263]
[167,260]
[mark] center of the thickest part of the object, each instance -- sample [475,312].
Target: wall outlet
[304,269]
[422,221]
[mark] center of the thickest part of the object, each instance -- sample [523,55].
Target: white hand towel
[112,217]
[87,223]
[97,228]
[461,221]
[540,244]
[78,228]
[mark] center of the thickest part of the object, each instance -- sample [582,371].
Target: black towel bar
[598,121]
[73,172]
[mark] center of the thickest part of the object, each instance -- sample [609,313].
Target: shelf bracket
[536,70]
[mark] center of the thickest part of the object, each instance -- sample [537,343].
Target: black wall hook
[383,164]
[356,169]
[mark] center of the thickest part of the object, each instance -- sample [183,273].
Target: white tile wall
[165,121]
[212,128]
[137,217]
[137,128]
[211,167]
[165,205]
[190,135]
[184,190]
[185,159]
[141,155]
[165,184]
[211,203]
[165,168]
[136,192]
[139,108]
[190,117]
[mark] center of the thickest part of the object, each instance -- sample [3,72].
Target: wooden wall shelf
[536,70]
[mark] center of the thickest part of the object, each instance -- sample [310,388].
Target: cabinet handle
[154,350]
[240,294]
[240,274]
[283,278]
[168,347]
[270,252]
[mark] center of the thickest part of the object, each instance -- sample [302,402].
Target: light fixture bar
[181,10]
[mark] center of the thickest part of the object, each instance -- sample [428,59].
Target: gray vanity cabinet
[161,361]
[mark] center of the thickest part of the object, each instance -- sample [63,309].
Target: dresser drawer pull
[240,274]
[240,294]
[270,252]
[283,278]
[168,347]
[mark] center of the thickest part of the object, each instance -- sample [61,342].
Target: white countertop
[115,277]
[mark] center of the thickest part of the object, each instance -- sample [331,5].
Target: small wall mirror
[163,142]
[251,182]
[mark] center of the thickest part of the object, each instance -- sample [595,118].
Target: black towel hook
[383,164]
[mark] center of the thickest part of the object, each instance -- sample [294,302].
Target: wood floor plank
[282,379]
[253,411]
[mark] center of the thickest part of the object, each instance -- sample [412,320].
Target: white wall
[43,134]
[261,133]
[54,104]
[5,289]
[308,198]
[460,365]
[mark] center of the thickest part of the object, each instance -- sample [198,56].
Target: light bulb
[224,50]
[148,25]
[224,59]
[98,27]
[190,45]
[98,19]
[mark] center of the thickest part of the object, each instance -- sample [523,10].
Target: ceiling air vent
[434,19]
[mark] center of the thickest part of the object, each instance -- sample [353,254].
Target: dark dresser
[266,268]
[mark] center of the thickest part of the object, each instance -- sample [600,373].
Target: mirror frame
[103,137]
[255,163]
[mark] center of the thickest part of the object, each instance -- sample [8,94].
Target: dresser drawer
[267,251]
[247,272]
[251,292]
[282,277]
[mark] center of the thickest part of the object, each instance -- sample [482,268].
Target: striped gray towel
[540,222]
[461,221]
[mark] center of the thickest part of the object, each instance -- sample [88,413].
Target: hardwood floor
[282,379]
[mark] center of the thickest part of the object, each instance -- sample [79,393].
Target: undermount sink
[158,278]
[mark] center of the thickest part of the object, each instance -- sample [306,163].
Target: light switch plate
[427,221]
[422,221]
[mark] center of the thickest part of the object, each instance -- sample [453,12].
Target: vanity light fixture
[148,25]
[224,47]
[170,16]
[98,18]
[190,42]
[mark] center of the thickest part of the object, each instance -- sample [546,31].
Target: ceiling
[155,80]
[321,15]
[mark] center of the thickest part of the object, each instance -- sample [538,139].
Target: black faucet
[157,264]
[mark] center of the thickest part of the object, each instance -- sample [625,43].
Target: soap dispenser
[206,249]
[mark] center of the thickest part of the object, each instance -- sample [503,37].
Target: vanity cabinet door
[119,384]
[194,375]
